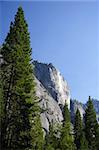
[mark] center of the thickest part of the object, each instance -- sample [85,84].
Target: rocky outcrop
[74,105]
[50,108]
[53,82]
[52,91]
[96,105]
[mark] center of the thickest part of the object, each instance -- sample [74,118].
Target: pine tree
[1,105]
[36,133]
[50,138]
[97,137]
[79,136]
[66,114]
[1,92]
[83,142]
[18,87]
[66,139]
[77,129]
[90,125]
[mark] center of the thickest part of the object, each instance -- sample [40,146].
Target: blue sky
[65,34]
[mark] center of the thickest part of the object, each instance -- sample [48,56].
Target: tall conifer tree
[97,137]
[18,87]
[79,135]
[52,137]
[49,138]
[66,114]
[66,139]
[77,129]
[91,125]
[37,134]
[1,103]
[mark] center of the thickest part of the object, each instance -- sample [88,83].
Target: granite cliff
[74,105]
[52,91]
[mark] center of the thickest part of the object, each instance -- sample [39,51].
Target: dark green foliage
[66,114]
[66,138]
[79,137]
[1,98]
[90,125]
[77,129]
[1,106]
[83,142]
[18,87]
[50,138]
[37,134]
[97,137]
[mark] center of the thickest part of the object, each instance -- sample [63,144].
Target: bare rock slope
[52,91]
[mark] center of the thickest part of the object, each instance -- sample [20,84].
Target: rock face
[74,104]
[52,91]
[96,105]
[53,82]
[50,108]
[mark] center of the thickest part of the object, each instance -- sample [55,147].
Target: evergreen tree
[18,87]
[77,129]
[1,96]
[37,135]
[83,142]
[50,138]
[66,139]
[1,104]
[79,137]
[97,137]
[66,114]
[90,125]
